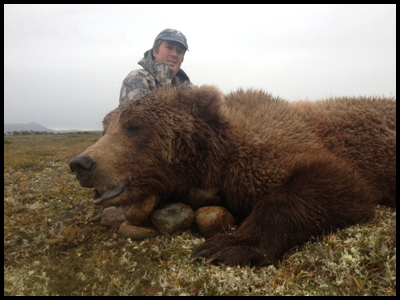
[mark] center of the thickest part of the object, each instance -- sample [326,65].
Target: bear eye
[132,128]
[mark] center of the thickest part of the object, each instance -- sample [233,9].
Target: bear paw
[231,251]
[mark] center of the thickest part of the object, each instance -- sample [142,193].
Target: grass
[50,248]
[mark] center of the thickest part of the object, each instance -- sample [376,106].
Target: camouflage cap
[172,35]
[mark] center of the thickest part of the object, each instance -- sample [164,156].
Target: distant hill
[26,127]
[37,128]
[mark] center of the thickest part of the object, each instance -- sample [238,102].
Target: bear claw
[198,255]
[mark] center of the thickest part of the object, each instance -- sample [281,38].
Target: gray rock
[173,218]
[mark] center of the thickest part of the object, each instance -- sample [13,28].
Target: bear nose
[83,166]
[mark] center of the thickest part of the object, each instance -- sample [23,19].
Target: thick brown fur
[289,171]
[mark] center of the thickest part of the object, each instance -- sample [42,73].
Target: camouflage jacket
[140,82]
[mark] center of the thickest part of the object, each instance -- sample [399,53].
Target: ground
[51,249]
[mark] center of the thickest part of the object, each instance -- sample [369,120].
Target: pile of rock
[201,212]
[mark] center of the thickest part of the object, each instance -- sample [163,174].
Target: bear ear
[208,99]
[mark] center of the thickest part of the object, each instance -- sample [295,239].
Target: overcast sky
[64,64]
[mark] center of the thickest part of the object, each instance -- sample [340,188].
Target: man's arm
[135,86]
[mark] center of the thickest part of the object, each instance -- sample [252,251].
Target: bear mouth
[110,193]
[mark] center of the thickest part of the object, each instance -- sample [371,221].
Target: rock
[112,217]
[213,219]
[138,212]
[198,198]
[137,232]
[173,218]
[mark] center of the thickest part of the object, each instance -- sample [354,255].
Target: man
[162,67]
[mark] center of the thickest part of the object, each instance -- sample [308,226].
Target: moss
[50,248]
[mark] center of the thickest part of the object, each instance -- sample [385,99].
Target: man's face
[171,53]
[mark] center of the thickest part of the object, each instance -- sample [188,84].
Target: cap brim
[173,40]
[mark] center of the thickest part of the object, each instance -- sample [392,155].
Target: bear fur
[287,171]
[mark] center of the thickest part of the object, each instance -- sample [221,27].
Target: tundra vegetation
[50,247]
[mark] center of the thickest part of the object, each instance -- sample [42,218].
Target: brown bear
[288,171]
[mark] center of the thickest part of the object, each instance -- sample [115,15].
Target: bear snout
[83,166]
